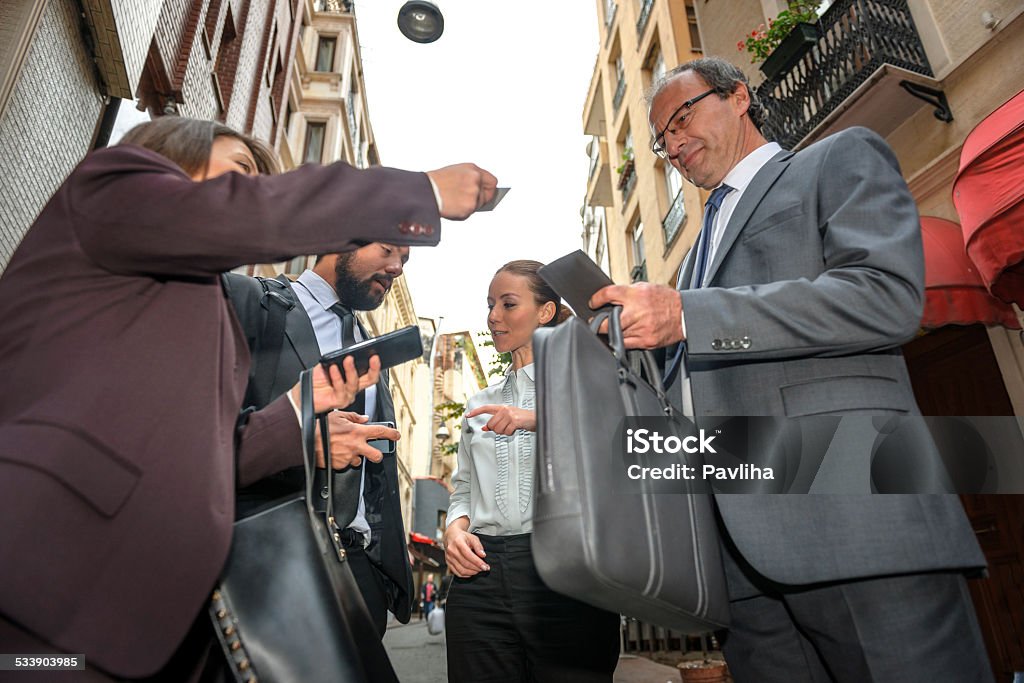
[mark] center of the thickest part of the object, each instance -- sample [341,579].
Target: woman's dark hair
[542,292]
[187,142]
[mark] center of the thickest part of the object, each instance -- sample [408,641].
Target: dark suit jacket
[817,281]
[123,369]
[300,351]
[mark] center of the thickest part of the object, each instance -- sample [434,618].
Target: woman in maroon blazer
[123,369]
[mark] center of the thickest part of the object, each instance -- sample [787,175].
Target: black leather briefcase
[653,556]
[288,608]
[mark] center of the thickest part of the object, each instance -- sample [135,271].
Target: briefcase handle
[309,460]
[618,347]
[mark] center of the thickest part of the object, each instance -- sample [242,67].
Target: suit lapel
[385,404]
[299,331]
[686,271]
[752,196]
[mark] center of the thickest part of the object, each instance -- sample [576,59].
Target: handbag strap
[618,346]
[309,420]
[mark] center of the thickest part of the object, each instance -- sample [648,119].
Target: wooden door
[954,372]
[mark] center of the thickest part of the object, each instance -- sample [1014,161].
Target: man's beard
[358,294]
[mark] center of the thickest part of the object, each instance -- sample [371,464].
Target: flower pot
[703,672]
[625,172]
[790,50]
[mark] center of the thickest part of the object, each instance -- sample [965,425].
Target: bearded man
[318,311]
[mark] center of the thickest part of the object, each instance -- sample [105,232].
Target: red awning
[954,291]
[989,196]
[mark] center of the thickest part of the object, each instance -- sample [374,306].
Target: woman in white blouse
[503,623]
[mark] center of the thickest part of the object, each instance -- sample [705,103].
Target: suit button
[716,344]
[429,230]
[745,342]
[323,493]
[735,343]
[403,227]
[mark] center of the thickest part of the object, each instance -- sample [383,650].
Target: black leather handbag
[288,607]
[650,555]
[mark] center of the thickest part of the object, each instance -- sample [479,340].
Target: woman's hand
[333,390]
[349,437]
[506,419]
[463,550]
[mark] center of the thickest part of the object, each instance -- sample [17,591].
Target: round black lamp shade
[420,21]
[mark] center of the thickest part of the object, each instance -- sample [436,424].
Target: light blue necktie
[711,207]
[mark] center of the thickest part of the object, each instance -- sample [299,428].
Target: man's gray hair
[718,74]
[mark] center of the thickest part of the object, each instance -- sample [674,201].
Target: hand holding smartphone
[385,446]
[393,349]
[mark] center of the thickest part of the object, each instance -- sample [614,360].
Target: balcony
[599,183]
[645,14]
[609,13]
[620,92]
[627,181]
[673,219]
[336,6]
[863,43]
[639,273]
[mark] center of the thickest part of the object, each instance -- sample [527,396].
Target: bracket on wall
[934,97]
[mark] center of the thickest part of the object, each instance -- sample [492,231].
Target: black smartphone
[385,446]
[393,348]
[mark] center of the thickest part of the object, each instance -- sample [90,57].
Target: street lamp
[420,21]
[442,433]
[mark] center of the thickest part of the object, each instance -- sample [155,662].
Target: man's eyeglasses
[679,120]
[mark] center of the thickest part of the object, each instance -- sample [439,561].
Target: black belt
[350,538]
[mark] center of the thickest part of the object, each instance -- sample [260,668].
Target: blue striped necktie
[711,207]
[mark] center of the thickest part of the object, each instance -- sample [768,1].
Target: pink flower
[739,45]
[753,34]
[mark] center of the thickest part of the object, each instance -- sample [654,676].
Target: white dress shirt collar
[319,289]
[741,174]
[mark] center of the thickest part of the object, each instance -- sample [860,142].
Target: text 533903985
[30,662]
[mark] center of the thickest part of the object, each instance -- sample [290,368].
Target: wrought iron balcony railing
[620,91]
[674,218]
[339,6]
[857,37]
[639,273]
[627,183]
[609,13]
[645,14]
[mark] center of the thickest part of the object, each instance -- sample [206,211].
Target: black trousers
[506,625]
[895,629]
[371,585]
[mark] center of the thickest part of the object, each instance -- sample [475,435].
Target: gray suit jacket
[300,351]
[817,281]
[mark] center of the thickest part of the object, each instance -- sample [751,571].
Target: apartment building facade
[65,66]
[639,219]
[458,375]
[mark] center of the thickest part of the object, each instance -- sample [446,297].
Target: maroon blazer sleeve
[137,212]
[270,442]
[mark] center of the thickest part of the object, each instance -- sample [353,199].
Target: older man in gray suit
[806,278]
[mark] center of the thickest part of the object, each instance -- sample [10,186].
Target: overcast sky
[504,87]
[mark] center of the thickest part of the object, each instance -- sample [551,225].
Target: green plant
[627,158]
[762,41]
[500,362]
